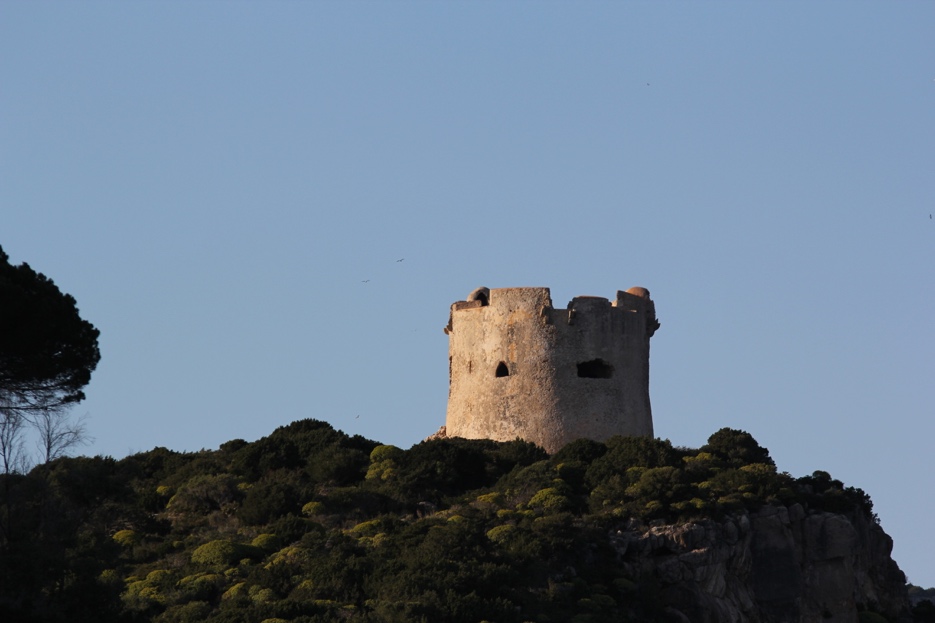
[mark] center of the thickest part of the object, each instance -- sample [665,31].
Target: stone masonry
[518,367]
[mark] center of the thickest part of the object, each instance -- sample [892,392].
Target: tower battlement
[519,367]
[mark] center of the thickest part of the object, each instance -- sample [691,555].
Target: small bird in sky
[400,260]
[357,418]
[365,281]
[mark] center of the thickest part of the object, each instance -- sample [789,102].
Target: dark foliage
[47,351]
[736,448]
[311,525]
[923,612]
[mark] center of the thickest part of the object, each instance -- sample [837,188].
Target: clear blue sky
[214,181]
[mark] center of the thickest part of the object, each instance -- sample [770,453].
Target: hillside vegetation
[309,524]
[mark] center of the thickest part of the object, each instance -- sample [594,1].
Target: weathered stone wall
[521,368]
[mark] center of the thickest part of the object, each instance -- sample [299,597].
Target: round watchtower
[518,367]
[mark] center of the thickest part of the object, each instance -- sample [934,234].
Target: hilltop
[310,524]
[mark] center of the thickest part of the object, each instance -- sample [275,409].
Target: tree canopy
[47,351]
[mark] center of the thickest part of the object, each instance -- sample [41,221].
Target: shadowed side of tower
[521,368]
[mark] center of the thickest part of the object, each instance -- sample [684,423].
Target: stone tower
[518,367]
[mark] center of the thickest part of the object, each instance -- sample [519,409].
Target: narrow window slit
[502,370]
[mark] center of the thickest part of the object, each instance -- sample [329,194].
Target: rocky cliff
[777,565]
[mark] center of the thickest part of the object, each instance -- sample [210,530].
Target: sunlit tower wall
[518,367]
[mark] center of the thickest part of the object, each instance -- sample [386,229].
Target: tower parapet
[518,367]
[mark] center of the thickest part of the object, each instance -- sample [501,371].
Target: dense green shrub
[127,538]
[205,493]
[222,553]
[267,542]
[584,450]
[736,448]
[279,493]
[550,499]
[624,453]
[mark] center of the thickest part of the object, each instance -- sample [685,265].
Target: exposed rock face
[441,433]
[778,565]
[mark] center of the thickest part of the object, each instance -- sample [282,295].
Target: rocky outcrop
[777,565]
[441,433]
